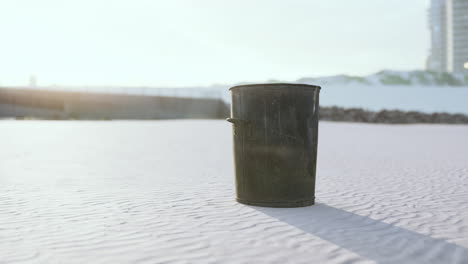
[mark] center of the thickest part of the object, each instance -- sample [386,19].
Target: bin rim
[255,85]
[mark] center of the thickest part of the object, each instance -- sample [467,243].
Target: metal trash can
[275,129]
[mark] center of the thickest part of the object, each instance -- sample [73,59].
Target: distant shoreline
[339,114]
[65,105]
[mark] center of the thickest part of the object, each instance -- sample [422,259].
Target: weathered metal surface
[275,129]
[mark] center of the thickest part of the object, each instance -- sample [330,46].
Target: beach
[163,192]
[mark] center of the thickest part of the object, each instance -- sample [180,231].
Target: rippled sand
[162,192]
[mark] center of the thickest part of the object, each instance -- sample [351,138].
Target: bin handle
[236,121]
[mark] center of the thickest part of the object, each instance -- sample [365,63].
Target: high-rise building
[448,22]
[437,60]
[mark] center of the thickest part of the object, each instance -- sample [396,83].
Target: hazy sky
[201,42]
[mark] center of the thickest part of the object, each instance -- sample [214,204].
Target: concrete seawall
[80,105]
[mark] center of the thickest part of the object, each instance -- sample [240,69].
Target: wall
[81,105]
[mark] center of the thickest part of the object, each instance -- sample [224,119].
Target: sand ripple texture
[162,192]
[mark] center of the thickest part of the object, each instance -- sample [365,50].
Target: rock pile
[389,116]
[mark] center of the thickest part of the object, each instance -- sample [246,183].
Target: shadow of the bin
[369,238]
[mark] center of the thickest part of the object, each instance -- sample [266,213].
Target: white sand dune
[162,192]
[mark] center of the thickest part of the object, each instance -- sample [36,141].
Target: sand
[162,192]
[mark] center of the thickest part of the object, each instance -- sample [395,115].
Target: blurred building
[448,22]
[32,81]
[437,60]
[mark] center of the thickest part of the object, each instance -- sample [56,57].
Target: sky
[203,42]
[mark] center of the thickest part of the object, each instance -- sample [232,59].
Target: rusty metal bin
[275,129]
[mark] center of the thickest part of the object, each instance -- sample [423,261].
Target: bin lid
[291,85]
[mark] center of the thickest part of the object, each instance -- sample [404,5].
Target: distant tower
[448,20]
[437,60]
[32,81]
[457,35]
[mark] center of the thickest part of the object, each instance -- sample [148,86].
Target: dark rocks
[389,116]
